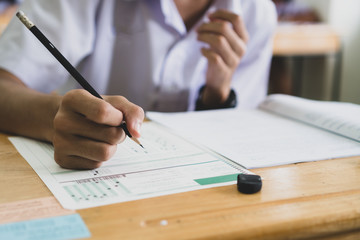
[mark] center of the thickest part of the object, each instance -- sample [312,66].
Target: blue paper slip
[54,228]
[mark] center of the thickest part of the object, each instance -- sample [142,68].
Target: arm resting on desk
[24,111]
[84,129]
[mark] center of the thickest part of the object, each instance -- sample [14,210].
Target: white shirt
[136,48]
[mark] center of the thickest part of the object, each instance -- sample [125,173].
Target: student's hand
[86,128]
[227,36]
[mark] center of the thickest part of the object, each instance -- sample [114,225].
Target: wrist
[214,101]
[54,102]
[213,97]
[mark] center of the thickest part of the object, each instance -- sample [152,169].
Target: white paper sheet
[338,117]
[168,164]
[256,138]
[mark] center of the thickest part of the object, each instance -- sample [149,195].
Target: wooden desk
[299,201]
[305,41]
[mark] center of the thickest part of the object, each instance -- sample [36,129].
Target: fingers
[219,44]
[78,125]
[213,59]
[226,35]
[133,114]
[236,21]
[87,129]
[93,108]
[222,34]
[85,154]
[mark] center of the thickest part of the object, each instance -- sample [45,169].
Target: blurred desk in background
[305,39]
[299,42]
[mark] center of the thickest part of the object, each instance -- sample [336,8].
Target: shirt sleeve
[69,25]
[250,80]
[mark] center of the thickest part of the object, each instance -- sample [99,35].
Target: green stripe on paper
[218,179]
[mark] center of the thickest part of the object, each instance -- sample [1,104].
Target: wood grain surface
[315,200]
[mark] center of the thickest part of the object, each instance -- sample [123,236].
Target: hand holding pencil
[87,129]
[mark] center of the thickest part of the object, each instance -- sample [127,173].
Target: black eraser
[247,183]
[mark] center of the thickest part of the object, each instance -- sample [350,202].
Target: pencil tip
[141,146]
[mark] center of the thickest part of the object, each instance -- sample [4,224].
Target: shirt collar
[172,16]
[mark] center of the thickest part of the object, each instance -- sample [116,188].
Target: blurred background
[316,50]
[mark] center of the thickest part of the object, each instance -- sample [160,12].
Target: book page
[168,164]
[256,138]
[338,117]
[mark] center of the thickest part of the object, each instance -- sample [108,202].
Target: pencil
[67,65]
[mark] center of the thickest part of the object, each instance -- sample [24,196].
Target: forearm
[24,111]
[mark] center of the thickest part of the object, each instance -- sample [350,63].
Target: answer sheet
[256,138]
[168,164]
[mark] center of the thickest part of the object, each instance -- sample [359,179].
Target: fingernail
[138,127]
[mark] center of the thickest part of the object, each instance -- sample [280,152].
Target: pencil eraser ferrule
[24,19]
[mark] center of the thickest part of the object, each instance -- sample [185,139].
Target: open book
[283,129]
[337,117]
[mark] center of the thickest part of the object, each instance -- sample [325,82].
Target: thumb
[133,114]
